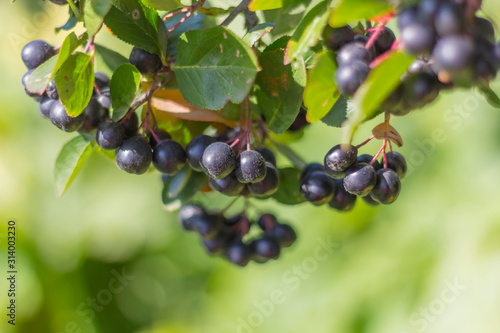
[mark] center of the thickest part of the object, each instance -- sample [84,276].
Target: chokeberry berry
[360,179]
[134,155]
[95,114]
[340,157]
[420,89]
[397,162]
[238,253]
[101,80]
[408,15]
[418,38]
[341,200]
[130,124]
[208,226]
[218,160]
[367,158]
[145,62]
[284,234]
[104,100]
[169,157]
[158,134]
[267,154]
[195,149]
[188,212]
[228,185]
[59,117]
[266,247]
[317,187]
[449,20]
[311,168]
[369,200]
[300,120]
[454,54]
[384,41]
[387,187]
[268,185]
[45,106]
[250,167]
[353,52]
[350,77]
[218,243]
[51,90]
[110,135]
[36,53]
[267,222]
[337,37]
[484,28]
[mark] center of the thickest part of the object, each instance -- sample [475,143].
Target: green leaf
[166,5]
[215,11]
[214,66]
[125,84]
[70,160]
[257,32]
[289,190]
[181,187]
[321,91]
[308,32]
[95,11]
[38,80]
[490,96]
[279,89]
[138,25]
[194,22]
[381,82]
[70,24]
[265,4]
[338,113]
[70,44]
[284,22]
[75,83]
[111,58]
[354,10]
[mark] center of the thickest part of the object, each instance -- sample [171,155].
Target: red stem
[365,142]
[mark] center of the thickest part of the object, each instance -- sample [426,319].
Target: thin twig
[241,7]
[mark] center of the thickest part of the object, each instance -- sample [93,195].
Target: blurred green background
[428,263]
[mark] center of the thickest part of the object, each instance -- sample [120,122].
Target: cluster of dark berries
[225,237]
[354,55]
[345,175]
[252,172]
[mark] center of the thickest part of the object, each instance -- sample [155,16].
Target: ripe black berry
[317,187]
[449,20]
[188,212]
[338,37]
[267,154]
[238,253]
[353,52]
[268,185]
[418,38]
[300,121]
[387,187]
[266,247]
[369,200]
[160,134]
[104,100]
[95,114]
[145,62]
[134,155]
[420,89]
[45,106]
[267,222]
[51,90]
[310,168]
[341,200]
[484,28]
[408,16]
[110,135]
[169,157]
[130,125]
[454,54]
[36,53]
[384,41]
[350,77]
[59,117]
[360,179]
[206,225]
[397,162]
[101,80]
[340,157]
[195,149]
[218,160]
[228,185]
[218,243]
[284,234]
[250,167]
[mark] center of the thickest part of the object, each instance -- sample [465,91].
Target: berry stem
[365,142]
[381,150]
[241,7]
[247,130]
[191,9]
[90,45]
